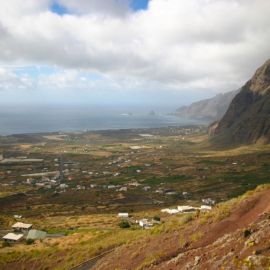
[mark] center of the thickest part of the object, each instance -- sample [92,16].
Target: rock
[208,109]
[247,119]
[197,260]
[257,262]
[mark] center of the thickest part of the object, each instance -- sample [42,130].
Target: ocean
[18,120]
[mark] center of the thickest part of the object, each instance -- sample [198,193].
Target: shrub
[247,233]
[124,224]
[30,241]
[156,218]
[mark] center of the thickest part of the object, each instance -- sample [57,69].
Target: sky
[129,52]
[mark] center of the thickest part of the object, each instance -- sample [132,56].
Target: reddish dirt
[222,242]
[246,213]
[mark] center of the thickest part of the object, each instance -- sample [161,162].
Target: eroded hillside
[234,236]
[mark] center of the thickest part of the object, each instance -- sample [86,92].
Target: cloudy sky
[157,52]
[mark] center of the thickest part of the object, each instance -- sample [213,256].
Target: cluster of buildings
[144,223]
[186,209]
[22,231]
[208,201]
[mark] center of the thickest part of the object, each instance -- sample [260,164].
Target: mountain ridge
[247,118]
[208,110]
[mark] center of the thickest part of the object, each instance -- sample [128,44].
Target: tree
[124,224]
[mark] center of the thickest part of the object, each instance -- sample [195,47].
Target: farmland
[76,183]
[108,171]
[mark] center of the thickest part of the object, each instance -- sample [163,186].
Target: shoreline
[107,130]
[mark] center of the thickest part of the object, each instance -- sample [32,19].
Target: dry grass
[97,233]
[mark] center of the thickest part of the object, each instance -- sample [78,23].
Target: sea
[44,119]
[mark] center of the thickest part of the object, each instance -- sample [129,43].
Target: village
[102,173]
[98,190]
[21,231]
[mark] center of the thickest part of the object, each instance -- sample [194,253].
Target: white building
[123,215]
[144,223]
[170,211]
[12,237]
[209,201]
[186,208]
[21,227]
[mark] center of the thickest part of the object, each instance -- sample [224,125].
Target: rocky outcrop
[209,109]
[247,119]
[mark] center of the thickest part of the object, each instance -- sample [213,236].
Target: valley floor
[73,185]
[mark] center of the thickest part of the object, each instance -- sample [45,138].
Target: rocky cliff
[247,119]
[209,109]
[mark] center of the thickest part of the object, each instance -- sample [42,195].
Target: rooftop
[22,225]
[13,236]
[36,234]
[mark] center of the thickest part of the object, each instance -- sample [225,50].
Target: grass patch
[169,179]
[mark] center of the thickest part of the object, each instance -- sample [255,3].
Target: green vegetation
[86,211]
[124,224]
[169,179]
[30,241]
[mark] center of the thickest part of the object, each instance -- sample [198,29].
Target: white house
[186,208]
[12,237]
[144,223]
[209,201]
[21,227]
[170,211]
[123,215]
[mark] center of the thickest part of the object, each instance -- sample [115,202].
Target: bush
[156,218]
[30,241]
[124,224]
[247,233]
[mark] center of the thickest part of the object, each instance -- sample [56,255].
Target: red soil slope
[220,245]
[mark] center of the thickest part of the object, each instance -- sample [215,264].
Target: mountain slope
[247,119]
[208,109]
[234,232]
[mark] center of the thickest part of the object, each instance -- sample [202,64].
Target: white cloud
[187,44]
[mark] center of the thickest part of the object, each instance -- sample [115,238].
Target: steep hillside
[209,109]
[234,236]
[247,119]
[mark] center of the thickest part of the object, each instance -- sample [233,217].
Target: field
[76,183]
